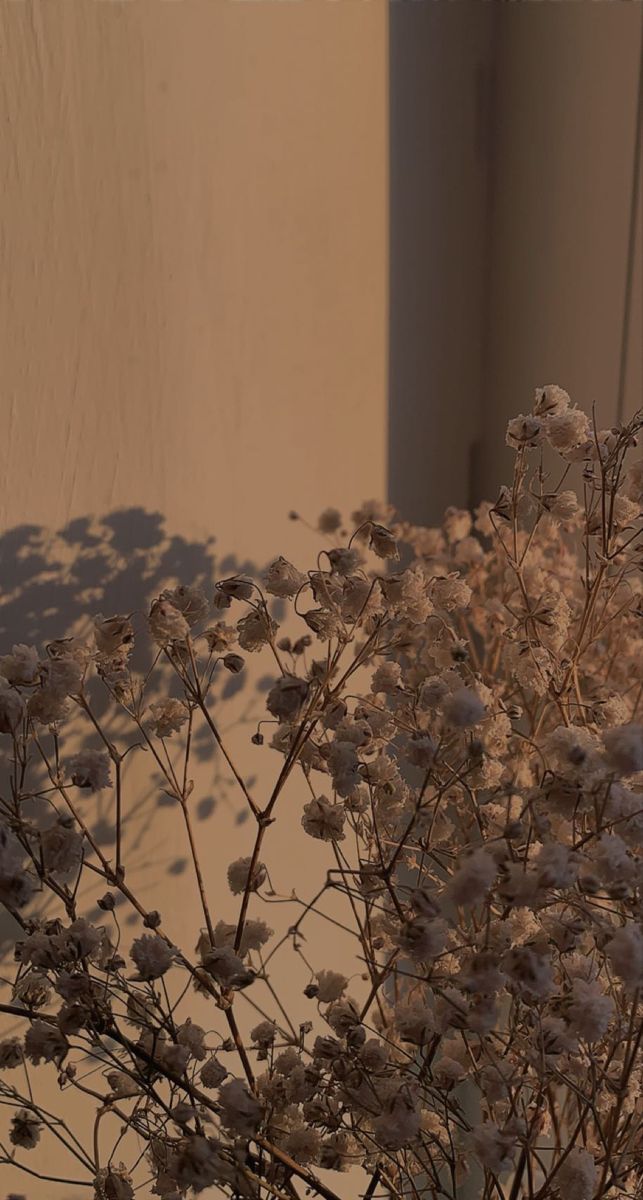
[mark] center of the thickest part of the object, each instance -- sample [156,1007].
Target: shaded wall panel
[442,154]
[566,105]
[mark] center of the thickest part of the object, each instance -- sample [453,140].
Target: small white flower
[240,878]
[550,401]
[344,560]
[463,708]
[474,877]
[168,716]
[193,1037]
[213,1073]
[387,678]
[457,524]
[45,1043]
[625,950]
[241,1112]
[287,697]
[235,588]
[190,601]
[264,1034]
[303,1144]
[555,867]
[21,666]
[220,637]
[563,506]
[282,579]
[624,748]
[338,1152]
[492,1147]
[62,848]
[166,623]
[530,971]
[122,1085]
[343,765]
[11,1054]
[590,1010]
[382,542]
[423,938]
[64,675]
[255,630]
[399,1125]
[324,820]
[90,769]
[114,1183]
[330,986]
[25,1129]
[152,956]
[113,634]
[415,1022]
[421,750]
[567,429]
[524,431]
[11,707]
[451,593]
[633,483]
[577,1175]
[329,521]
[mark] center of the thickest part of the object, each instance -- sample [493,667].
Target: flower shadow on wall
[55,582]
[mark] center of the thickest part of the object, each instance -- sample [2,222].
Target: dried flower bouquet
[460,710]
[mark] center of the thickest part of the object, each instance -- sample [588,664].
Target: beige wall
[193,260]
[193,320]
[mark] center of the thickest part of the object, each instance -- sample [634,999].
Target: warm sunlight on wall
[193,287]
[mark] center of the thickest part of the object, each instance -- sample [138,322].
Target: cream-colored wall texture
[193,261]
[193,324]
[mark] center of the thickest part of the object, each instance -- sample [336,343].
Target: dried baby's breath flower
[12,707]
[255,630]
[21,666]
[169,716]
[324,820]
[287,697]
[212,1073]
[114,1183]
[245,873]
[463,708]
[190,601]
[113,634]
[624,748]
[550,401]
[152,956]
[25,1129]
[90,769]
[220,637]
[329,521]
[567,428]
[382,542]
[282,579]
[240,1110]
[525,431]
[465,747]
[167,623]
[578,1174]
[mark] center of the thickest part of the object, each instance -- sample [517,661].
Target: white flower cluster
[457,714]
